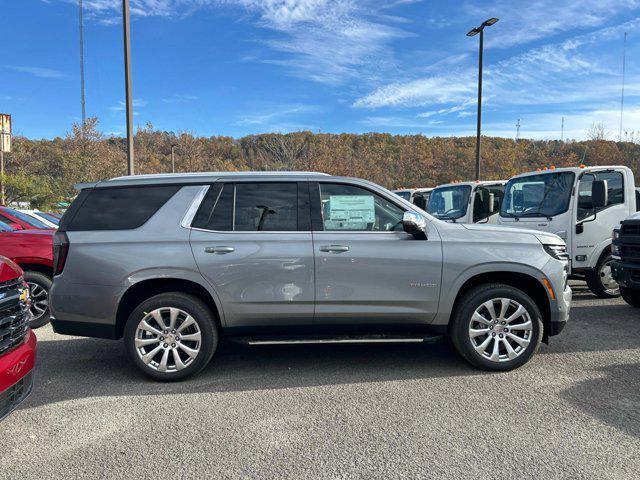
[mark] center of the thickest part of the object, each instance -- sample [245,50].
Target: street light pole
[472,33]
[173,159]
[127,84]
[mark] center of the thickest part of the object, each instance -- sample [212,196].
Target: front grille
[13,315]
[630,253]
[630,229]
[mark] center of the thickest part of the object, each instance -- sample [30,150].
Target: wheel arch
[28,265]
[144,289]
[525,282]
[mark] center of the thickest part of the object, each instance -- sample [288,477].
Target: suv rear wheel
[496,327]
[39,286]
[171,336]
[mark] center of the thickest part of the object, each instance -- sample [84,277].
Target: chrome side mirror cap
[415,224]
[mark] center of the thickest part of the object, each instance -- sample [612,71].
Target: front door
[368,270]
[252,242]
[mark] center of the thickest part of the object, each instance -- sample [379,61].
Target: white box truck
[582,205]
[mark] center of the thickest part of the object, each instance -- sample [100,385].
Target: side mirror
[415,224]
[489,205]
[599,193]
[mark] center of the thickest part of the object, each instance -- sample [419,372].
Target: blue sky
[237,67]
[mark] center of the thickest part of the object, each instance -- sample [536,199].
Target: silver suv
[175,263]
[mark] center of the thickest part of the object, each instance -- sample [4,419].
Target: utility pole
[624,61]
[562,131]
[82,97]
[173,158]
[472,33]
[518,130]
[127,82]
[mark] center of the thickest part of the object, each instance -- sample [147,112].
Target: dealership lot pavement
[347,411]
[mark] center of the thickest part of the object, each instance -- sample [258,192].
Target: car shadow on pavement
[613,399]
[82,367]
[607,325]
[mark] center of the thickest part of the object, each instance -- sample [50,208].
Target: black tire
[594,279]
[38,282]
[472,300]
[194,307]
[631,296]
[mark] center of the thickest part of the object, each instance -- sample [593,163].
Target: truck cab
[418,196]
[467,202]
[582,205]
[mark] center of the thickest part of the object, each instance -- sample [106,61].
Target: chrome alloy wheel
[610,286]
[39,300]
[167,339]
[500,329]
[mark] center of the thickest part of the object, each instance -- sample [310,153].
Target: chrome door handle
[219,250]
[334,248]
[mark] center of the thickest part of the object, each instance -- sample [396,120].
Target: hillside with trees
[43,172]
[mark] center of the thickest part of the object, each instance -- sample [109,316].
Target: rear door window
[119,208]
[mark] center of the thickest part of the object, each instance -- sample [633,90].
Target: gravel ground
[344,411]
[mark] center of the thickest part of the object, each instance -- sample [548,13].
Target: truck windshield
[449,203]
[404,194]
[544,195]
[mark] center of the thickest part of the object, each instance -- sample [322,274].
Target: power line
[82,96]
[624,65]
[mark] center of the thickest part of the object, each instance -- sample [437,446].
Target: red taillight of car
[60,250]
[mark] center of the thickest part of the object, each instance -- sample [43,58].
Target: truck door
[593,233]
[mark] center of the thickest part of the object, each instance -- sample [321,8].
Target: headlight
[558,252]
[616,234]
[615,249]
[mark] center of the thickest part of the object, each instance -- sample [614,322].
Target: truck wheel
[631,296]
[171,336]
[39,286]
[496,327]
[600,280]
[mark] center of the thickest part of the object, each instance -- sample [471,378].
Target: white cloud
[523,22]
[40,72]
[121,106]
[180,98]
[276,115]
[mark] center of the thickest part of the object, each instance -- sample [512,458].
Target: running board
[300,340]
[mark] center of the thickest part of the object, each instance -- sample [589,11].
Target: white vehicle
[467,202]
[418,196]
[582,205]
[43,217]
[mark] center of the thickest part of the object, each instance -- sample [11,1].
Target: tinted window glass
[266,207]
[120,208]
[216,210]
[4,227]
[351,208]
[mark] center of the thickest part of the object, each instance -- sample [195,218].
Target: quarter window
[351,208]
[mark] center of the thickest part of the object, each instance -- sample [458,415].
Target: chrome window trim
[193,208]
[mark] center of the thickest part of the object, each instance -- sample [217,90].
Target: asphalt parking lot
[344,411]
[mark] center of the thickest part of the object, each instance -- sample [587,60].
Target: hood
[543,237]
[635,216]
[8,270]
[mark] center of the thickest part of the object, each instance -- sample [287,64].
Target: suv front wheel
[496,327]
[171,336]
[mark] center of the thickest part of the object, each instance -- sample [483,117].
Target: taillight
[60,250]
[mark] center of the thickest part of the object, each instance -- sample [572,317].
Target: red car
[20,221]
[17,341]
[32,250]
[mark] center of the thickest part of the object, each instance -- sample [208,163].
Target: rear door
[252,241]
[368,270]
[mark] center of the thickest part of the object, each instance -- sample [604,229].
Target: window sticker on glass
[350,212]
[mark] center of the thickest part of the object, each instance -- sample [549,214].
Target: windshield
[449,202]
[51,218]
[404,194]
[544,195]
[34,222]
